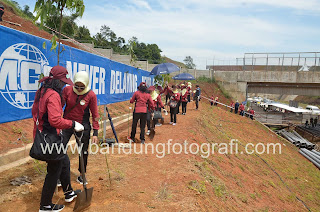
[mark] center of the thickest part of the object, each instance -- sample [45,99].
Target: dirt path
[185,182]
[138,182]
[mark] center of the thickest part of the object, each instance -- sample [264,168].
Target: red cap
[59,72]
[142,84]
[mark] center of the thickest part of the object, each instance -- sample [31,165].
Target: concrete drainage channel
[19,156]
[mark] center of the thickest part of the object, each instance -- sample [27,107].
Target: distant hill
[168,60]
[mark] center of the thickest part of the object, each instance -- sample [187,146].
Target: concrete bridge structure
[289,82]
[301,77]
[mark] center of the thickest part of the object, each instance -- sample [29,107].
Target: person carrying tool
[142,100]
[47,113]
[80,102]
[184,98]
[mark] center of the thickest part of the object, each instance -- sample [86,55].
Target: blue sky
[209,29]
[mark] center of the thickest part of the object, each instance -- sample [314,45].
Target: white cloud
[309,5]
[141,4]
[200,30]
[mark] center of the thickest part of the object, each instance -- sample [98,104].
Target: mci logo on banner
[20,67]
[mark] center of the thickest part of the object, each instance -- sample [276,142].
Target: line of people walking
[236,107]
[240,107]
[149,105]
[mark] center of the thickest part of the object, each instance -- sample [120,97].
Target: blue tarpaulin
[23,58]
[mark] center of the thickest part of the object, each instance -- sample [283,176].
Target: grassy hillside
[308,100]
[251,182]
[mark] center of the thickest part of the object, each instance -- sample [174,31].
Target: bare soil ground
[186,182]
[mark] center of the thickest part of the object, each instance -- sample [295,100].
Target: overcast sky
[209,29]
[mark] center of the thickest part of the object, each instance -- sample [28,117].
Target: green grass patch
[199,187]
[16,8]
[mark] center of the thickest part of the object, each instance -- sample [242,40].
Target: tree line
[105,38]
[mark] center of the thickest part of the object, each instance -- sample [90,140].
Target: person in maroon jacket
[142,100]
[175,96]
[165,91]
[47,114]
[80,101]
[157,102]
[241,109]
[251,111]
[184,98]
[212,100]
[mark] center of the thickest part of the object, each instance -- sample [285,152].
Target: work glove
[78,127]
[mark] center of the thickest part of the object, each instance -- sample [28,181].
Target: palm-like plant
[43,9]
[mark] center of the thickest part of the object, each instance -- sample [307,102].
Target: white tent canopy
[287,107]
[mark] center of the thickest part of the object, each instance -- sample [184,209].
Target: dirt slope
[188,182]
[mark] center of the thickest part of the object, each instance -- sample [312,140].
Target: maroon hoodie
[81,112]
[50,113]
[141,100]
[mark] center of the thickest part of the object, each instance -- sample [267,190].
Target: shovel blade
[83,199]
[152,133]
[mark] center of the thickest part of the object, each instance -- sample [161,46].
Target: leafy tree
[189,62]
[154,55]
[106,38]
[150,52]
[99,40]
[26,11]
[131,46]
[16,4]
[43,8]
[69,27]
[82,34]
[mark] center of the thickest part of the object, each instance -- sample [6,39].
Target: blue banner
[23,58]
